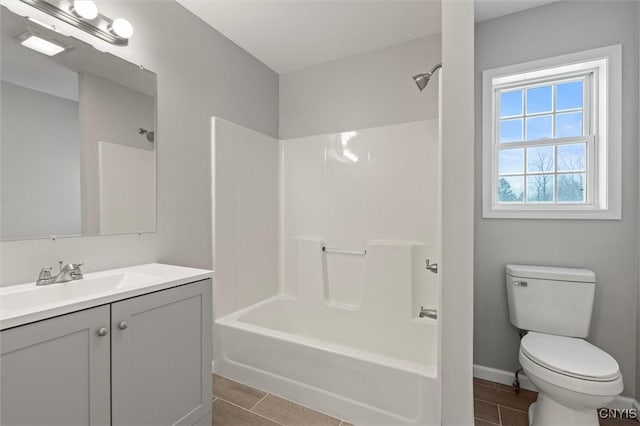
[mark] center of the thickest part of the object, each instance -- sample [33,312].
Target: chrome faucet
[68,272]
[429,313]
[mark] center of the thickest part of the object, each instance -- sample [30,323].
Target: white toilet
[573,377]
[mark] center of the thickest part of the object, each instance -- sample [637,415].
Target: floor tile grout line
[487,421]
[486,402]
[500,405]
[261,399]
[490,403]
[249,411]
[514,409]
[298,404]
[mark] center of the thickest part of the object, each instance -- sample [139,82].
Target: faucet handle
[76,273]
[44,277]
[45,273]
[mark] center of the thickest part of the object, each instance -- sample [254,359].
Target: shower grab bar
[344,251]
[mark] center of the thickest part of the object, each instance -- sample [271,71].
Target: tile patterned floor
[235,404]
[496,404]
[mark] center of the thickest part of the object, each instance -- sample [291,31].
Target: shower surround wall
[349,189]
[245,216]
[373,192]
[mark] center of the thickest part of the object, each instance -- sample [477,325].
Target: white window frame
[601,113]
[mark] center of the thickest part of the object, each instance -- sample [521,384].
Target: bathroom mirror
[77,140]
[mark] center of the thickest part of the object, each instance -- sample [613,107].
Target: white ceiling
[288,35]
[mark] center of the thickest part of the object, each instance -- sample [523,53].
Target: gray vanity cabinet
[161,357]
[139,361]
[56,372]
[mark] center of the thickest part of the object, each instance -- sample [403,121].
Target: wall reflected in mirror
[78,137]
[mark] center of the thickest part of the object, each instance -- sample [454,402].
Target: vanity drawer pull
[103,331]
[123,325]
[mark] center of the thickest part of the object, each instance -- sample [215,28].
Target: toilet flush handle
[519,283]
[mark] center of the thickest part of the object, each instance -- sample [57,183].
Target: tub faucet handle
[433,267]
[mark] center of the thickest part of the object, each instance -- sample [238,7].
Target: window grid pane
[571,188]
[511,103]
[548,184]
[537,107]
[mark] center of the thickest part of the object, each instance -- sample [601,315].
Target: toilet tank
[551,300]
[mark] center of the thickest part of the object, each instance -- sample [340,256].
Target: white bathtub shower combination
[337,331]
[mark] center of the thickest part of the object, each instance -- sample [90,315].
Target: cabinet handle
[102,332]
[123,325]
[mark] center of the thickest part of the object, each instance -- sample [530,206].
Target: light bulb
[122,28]
[86,9]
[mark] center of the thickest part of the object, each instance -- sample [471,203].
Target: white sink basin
[23,303]
[32,297]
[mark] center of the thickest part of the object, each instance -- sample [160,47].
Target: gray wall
[200,74]
[367,90]
[610,248]
[109,112]
[40,164]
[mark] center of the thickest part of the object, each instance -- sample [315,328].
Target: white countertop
[24,303]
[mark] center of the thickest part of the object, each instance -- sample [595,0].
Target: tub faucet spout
[428,313]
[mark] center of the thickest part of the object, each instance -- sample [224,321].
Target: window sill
[552,214]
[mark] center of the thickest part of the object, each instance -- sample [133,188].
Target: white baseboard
[623,402]
[502,376]
[507,377]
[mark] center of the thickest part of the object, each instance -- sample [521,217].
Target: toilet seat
[570,356]
[537,373]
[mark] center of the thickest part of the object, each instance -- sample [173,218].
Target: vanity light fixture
[83,14]
[45,25]
[40,42]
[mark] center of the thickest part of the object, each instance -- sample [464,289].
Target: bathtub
[331,361]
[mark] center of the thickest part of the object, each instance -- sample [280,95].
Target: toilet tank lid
[552,273]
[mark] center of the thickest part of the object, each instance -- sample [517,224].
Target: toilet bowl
[574,378]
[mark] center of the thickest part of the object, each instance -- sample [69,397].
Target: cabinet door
[161,357]
[56,371]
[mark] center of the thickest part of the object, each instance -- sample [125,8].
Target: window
[551,138]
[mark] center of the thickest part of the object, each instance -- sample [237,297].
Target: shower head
[423,79]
